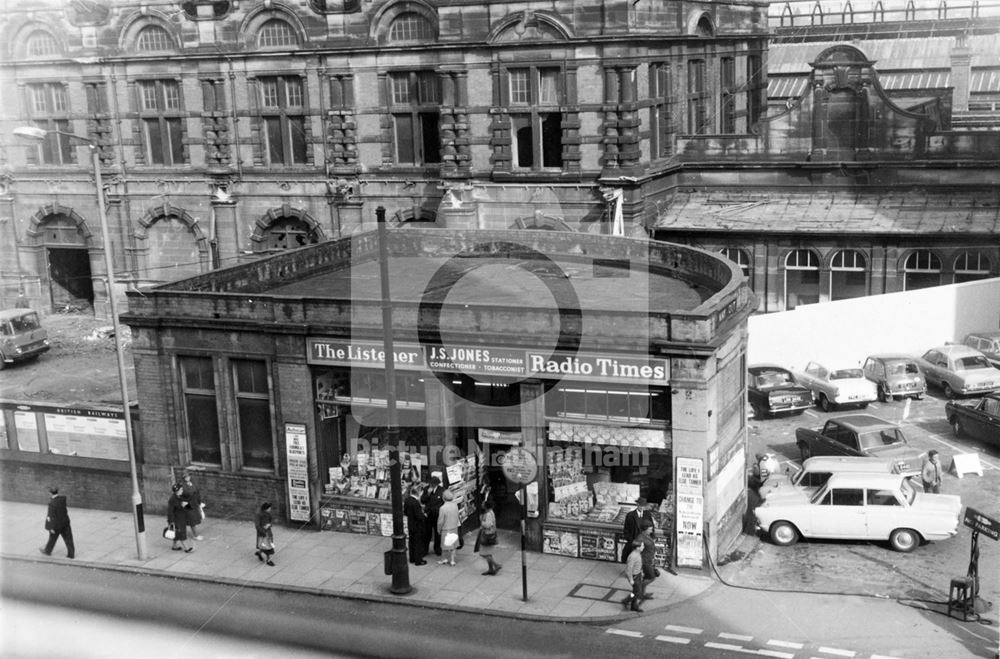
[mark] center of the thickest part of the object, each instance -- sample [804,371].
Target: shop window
[801,278]
[971,266]
[660,115]
[727,98]
[535,95]
[253,410]
[415,99]
[911,12]
[848,275]
[629,405]
[276,33]
[922,269]
[162,121]
[740,257]
[41,44]
[368,387]
[200,411]
[282,100]
[697,98]
[48,105]
[153,38]
[411,26]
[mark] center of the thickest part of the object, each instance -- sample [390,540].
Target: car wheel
[904,540]
[783,533]
[883,395]
[825,404]
[948,391]
[956,425]
[805,451]
[863,406]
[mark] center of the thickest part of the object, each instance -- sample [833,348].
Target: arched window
[848,14]
[970,266]
[911,12]
[276,32]
[289,233]
[817,15]
[740,257]
[801,278]
[786,16]
[922,269]
[942,9]
[848,275]
[173,251]
[41,44]
[878,14]
[153,38]
[410,26]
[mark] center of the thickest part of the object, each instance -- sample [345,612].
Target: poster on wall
[87,434]
[298,472]
[690,512]
[26,425]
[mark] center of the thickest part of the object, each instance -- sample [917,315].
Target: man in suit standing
[57,524]
[631,529]
[433,499]
[416,521]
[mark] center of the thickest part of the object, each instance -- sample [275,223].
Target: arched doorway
[62,239]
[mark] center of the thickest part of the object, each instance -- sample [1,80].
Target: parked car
[987,343]
[840,387]
[981,420]
[772,390]
[959,370]
[860,435]
[895,376]
[22,336]
[805,480]
[856,506]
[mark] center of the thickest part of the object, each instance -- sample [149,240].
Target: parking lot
[860,567]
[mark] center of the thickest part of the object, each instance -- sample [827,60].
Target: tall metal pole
[400,567]
[139,522]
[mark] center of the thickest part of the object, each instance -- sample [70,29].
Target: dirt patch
[81,366]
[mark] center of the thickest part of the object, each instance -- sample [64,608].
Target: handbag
[169,533]
[450,540]
[489,538]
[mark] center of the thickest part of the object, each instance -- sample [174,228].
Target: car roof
[849,463]
[7,314]
[863,421]
[953,349]
[988,334]
[766,367]
[890,355]
[856,479]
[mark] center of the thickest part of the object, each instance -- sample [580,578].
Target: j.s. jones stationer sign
[488,361]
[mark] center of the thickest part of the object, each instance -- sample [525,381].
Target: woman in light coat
[447,525]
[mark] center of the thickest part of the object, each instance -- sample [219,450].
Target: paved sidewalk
[349,565]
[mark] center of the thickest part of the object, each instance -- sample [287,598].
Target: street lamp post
[38,134]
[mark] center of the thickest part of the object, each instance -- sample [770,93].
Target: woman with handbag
[265,536]
[447,525]
[177,515]
[487,538]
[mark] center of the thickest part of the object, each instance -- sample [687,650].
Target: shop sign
[509,438]
[298,472]
[690,512]
[485,360]
[983,523]
[519,466]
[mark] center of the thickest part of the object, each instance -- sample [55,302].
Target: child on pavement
[633,574]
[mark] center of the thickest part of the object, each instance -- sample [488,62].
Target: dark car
[773,390]
[980,420]
[896,376]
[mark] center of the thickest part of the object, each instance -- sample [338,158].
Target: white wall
[843,333]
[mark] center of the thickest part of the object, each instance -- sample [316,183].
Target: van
[22,336]
[814,473]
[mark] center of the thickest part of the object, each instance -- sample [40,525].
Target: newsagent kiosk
[617,362]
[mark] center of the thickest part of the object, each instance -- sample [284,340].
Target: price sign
[519,466]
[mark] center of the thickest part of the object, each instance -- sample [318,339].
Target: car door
[844,442]
[883,512]
[840,513]
[931,366]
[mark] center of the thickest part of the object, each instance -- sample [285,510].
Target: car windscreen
[847,374]
[971,362]
[25,323]
[877,439]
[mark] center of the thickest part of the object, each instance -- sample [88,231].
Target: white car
[959,370]
[840,387]
[855,506]
[803,482]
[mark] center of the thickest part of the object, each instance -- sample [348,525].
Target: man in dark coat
[631,528]
[57,524]
[416,521]
[432,499]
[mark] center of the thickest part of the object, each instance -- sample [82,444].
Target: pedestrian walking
[447,526]
[432,499]
[265,534]
[634,576]
[177,516]
[57,524]
[649,571]
[416,522]
[487,539]
[930,473]
[195,515]
[631,528]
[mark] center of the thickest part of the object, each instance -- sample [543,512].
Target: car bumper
[27,352]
